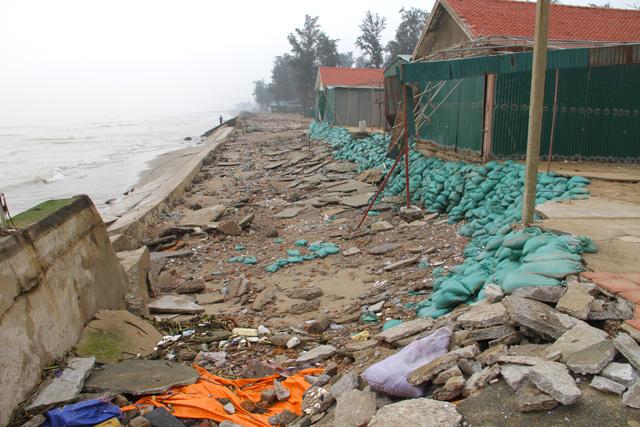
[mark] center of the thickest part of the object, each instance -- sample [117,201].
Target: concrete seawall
[54,276]
[168,179]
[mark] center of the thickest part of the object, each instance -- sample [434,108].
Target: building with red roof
[468,27]
[345,96]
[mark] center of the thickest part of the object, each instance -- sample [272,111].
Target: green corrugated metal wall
[597,119]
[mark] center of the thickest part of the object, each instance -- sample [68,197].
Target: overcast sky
[69,60]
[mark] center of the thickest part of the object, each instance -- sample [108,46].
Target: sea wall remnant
[55,274]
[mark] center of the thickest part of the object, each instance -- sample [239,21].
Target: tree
[327,51]
[369,40]
[304,42]
[362,61]
[282,86]
[346,59]
[412,21]
[261,94]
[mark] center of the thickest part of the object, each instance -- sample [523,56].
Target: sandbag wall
[489,198]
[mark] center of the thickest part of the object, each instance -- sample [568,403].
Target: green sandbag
[558,269]
[534,243]
[515,280]
[433,312]
[449,299]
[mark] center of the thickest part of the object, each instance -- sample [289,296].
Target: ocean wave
[56,176]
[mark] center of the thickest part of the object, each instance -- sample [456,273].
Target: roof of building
[350,77]
[574,23]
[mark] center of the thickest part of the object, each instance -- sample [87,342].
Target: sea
[102,159]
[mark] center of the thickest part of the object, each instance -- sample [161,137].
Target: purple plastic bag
[390,375]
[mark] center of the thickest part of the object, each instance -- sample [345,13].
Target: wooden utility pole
[535,110]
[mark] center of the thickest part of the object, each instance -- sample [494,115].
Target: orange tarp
[199,400]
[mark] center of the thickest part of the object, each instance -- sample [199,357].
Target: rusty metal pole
[405,140]
[535,111]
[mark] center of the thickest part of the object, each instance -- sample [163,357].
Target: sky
[75,60]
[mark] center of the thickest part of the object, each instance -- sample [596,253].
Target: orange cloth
[199,400]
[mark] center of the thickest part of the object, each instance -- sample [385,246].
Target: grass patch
[36,213]
[106,347]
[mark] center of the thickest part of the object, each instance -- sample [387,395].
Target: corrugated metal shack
[344,96]
[477,108]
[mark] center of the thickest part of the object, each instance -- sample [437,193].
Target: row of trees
[293,73]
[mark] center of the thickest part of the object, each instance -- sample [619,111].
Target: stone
[354,408]
[490,333]
[254,368]
[227,423]
[357,200]
[629,348]
[576,301]
[402,263]
[175,304]
[535,315]
[592,359]
[575,339]
[514,375]
[429,371]
[411,213]
[518,359]
[319,326]
[631,331]
[382,249]
[230,227]
[345,383]
[619,309]
[550,294]
[269,396]
[66,387]
[632,397]
[284,418]
[469,367]
[355,346]
[490,355]
[379,226]
[306,292]
[317,354]
[237,287]
[140,377]
[417,412]
[483,315]
[209,298]
[304,307]
[293,342]
[607,385]
[289,212]
[160,417]
[622,373]
[553,379]
[139,421]
[264,298]
[115,334]
[190,288]
[529,398]
[229,408]
[246,220]
[351,251]
[493,293]
[377,307]
[316,400]
[282,392]
[451,389]
[480,379]
[370,176]
[443,376]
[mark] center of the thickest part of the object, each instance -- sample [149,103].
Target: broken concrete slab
[607,385]
[66,387]
[514,375]
[490,333]
[538,316]
[317,354]
[480,379]
[576,339]
[444,376]
[355,408]
[632,397]
[114,334]
[202,216]
[229,227]
[622,373]
[264,297]
[550,294]
[136,265]
[402,263]
[483,315]
[140,377]
[209,298]
[180,304]
[246,220]
[429,371]
[357,200]
[530,398]
[348,381]
[379,226]
[553,379]
[289,212]
[619,309]
[577,300]
[592,359]
[417,412]
[629,348]
[351,251]
[405,329]
[493,293]
[341,167]
[451,389]
[383,248]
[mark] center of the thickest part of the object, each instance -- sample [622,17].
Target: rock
[179,304]
[514,375]
[66,387]
[306,292]
[490,355]
[317,354]
[269,396]
[519,360]
[622,373]
[480,379]
[284,418]
[304,307]
[264,298]
[483,315]
[256,369]
[209,298]
[190,288]
[351,251]
[197,218]
[139,377]
[377,307]
[166,280]
[411,213]
[469,367]
[429,371]
[614,310]
[631,331]
[550,294]
[319,326]
[354,408]
[607,385]
[356,346]
[227,423]
[632,397]
[493,293]
[379,226]
[230,227]
[293,342]
[357,200]
[38,420]
[136,265]
[443,376]
[576,301]
[538,316]
[237,287]
[160,417]
[370,176]
[591,360]
[246,220]
[529,398]
[575,339]
[402,263]
[553,379]
[112,334]
[139,421]
[383,248]
[229,408]
[289,212]
[282,392]
[451,389]
[417,412]
[345,383]
[629,348]
[490,333]
[316,400]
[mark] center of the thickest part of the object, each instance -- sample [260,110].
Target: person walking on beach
[220,118]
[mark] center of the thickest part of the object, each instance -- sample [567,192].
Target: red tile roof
[337,76]
[517,19]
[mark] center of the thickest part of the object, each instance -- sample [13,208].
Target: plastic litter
[391,323]
[369,318]
[85,413]
[360,336]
